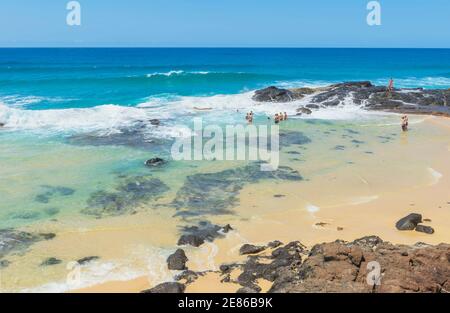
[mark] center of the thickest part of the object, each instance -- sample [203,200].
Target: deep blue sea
[79,78]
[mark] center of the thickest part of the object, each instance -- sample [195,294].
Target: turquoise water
[77,121]
[67,78]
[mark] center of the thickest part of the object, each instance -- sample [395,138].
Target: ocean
[77,130]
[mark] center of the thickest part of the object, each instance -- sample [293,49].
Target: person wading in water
[405,123]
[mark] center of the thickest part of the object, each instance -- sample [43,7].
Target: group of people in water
[279,117]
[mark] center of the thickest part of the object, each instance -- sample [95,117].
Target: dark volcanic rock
[155,162]
[155,122]
[51,261]
[344,267]
[404,100]
[303,111]
[188,276]
[425,229]
[170,287]
[251,249]
[409,222]
[196,235]
[17,241]
[274,94]
[216,193]
[87,259]
[193,240]
[128,195]
[177,260]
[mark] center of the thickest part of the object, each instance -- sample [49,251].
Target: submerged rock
[177,260]
[87,259]
[409,222]
[170,287]
[17,241]
[154,162]
[51,261]
[53,191]
[126,197]
[217,193]
[193,240]
[4,263]
[205,231]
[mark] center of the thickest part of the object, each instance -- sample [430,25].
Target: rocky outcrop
[171,287]
[365,265]
[401,100]
[251,249]
[273,94]
[12,240]
[196,235]
[177,260]
[409,222]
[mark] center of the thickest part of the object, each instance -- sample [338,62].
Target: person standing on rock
[390,87]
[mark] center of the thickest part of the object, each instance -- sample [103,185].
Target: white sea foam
[91,275]
[414,82]
[177,73]
[435,176]
[21,101]
[312,208]
[111,118]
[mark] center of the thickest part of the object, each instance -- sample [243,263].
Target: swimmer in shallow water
[405,123]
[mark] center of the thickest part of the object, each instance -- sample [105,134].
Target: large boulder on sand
[177,261]
[409,222]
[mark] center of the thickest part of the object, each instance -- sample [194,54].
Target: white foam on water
[110,118]
[312,208]
[414,82]
[92,274]
[22,101]
[363,199]
[435,176]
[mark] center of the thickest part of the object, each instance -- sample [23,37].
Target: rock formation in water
[402,100]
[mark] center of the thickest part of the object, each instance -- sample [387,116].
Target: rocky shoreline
[365,265]
[365,94]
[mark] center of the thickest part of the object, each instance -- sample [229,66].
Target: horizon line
[204,47]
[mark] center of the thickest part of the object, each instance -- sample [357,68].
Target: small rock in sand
[251,249]
[425,229]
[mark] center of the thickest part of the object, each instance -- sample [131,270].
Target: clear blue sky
[233,23]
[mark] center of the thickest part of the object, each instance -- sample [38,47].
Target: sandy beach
[366,200]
